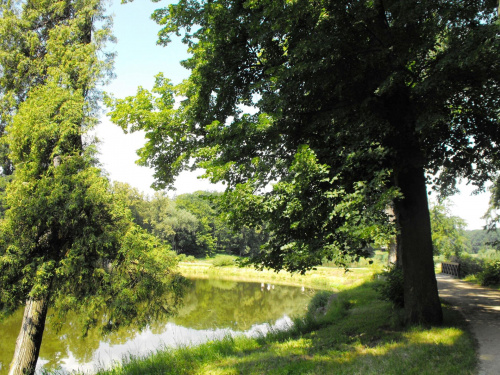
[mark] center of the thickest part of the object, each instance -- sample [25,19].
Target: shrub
[468,265]
[392,287]
[223,261]
[490,274]
[185,258]
[319,301]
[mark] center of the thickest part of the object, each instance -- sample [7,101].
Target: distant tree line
[193,224]
[481,240]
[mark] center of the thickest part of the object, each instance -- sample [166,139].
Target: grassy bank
[329,278]
[356,334]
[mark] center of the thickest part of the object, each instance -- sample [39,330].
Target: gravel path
[481,308]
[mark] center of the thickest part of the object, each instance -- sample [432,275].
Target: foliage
[186,258]
[391,289]
[193,224]
[135,200]
[493,213]
[490,253]
[353,102]
[482,239]
[66,239]
[223,261]
[319,301]
[4,181]
[468,265]
[490,275]
[42,41]
[448,232]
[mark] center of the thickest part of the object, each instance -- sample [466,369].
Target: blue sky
[138,60]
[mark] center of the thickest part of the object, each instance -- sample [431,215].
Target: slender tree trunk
[30,338]
[394,249]
[421,297]
[395,253]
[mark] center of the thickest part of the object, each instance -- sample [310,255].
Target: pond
[212,309]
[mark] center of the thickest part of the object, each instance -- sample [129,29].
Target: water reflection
[212,308]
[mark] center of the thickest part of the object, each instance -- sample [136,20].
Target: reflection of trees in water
[208,304]
[9,329]
[218,304]
[57,344]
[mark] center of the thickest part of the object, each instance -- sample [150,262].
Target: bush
[468,265]
[392,288]
[223,261]
[488,254]
[490,274]
[185,258]
[319,301]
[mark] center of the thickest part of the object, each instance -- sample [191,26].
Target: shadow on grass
[358,335]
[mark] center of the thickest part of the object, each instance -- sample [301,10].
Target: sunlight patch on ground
[435,336]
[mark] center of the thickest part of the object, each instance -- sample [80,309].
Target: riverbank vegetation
[321,278]
[349,332]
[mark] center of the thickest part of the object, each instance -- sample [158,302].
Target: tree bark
[421,297]
[394,249]
[30,338]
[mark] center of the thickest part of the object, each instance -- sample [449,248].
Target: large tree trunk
[30,338]
[421,297]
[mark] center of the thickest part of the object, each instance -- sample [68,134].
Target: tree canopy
[193,224]
[344,106]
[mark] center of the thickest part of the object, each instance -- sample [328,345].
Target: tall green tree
[66,241]
[448,232]
[355,104]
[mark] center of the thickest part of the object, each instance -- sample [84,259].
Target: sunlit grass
[321,278]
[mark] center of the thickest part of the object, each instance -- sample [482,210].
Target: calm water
[212,309]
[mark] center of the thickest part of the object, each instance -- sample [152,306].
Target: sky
[138,60]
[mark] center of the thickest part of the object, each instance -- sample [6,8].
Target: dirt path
[481,308]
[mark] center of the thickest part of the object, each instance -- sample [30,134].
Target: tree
[356,104]
[135,200]
[66,240]
[173,224]
[448,232]
[483,239]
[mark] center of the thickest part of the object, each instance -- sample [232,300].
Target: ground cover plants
[347,330]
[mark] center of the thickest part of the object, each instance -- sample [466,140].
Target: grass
[358,334]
